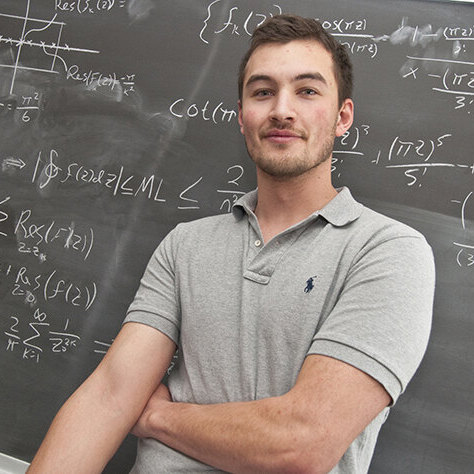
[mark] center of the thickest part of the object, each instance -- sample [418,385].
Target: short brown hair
[286,28]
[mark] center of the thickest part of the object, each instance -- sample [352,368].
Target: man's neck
[283,203]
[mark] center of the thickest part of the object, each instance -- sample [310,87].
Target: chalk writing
[184,197]
[102,347]
[415,157]
[27,105]
[10,163]
[29,336]
[173,362]
[84,6]
[351,138]
[356,47]
[236,172]
[455,77]
[343,26]
[52,54]
[353,34]
[206,112]
[63,341]
[31,287]
[461,85]
[49,232]
[414,35]
[421,148]
[458,33]
[49,49]
[238,22]
[465,256]
[119,182]
[3,216]
[9,108]
[465,250]
[347,147]
[93,80]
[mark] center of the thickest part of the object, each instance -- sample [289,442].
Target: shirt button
[258,243]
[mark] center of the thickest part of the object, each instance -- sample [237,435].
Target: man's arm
[90,426]
[306,430]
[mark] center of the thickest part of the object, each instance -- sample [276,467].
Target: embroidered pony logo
[309,284]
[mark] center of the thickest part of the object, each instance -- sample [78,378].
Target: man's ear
[346,117]
[240,117]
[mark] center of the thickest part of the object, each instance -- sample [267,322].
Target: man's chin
[282,172]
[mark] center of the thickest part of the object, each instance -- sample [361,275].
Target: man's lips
[281,136]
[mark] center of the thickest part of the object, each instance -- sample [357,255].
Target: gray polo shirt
[346,282]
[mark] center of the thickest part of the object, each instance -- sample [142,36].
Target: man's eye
[308,92]
[263,93]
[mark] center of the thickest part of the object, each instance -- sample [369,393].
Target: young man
[299,318]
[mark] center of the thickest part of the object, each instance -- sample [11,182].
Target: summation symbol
[40,34]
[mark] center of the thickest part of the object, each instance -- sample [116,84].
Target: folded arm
[90,426]
[306,430]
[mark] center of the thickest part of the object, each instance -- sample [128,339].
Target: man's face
[289,112]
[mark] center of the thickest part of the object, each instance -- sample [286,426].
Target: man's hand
[157,402]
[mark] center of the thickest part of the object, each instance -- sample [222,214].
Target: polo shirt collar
[245,205]
[340,211]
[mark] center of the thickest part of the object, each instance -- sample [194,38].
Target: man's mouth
[282,136]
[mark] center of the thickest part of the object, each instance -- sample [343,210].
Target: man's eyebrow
[257,78]
[316,76]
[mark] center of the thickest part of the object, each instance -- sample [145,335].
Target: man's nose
[284,108]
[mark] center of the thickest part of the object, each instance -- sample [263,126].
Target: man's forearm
[307,429]
[93,422]
[254,436]
[83,436]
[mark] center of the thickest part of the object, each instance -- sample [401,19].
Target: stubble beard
[284,166]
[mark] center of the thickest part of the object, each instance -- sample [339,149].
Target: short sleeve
[156,303]
[382,319]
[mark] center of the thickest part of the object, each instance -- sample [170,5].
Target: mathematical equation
[26,106]
[31,236]
[4,216]
[416,157]
[352,32]
[232,192]
[454,72]
[32,337]
[348,146]
[465,249]
[121,182]
[207,112]
[457,84]
[123,85]
[53,54]
[238,21]
[89,7]
[32,287]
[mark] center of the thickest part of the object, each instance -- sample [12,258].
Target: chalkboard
[118,119]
